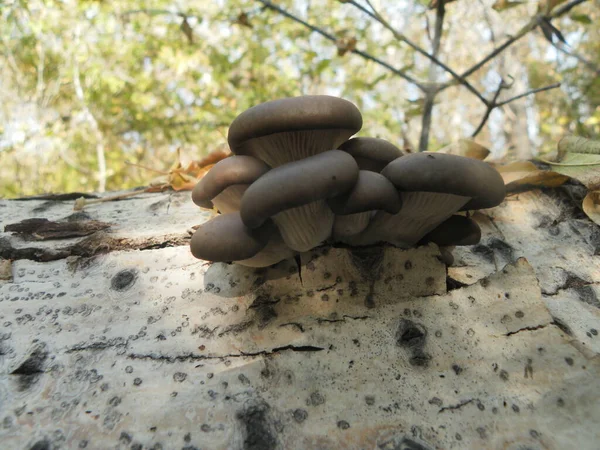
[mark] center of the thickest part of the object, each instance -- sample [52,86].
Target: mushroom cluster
[297,179]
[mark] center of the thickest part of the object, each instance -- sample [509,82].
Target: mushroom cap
[371,153]
[371,192]
[309,112]
[298,183]
[432,172]
[225,238]
[227,172]
[456,230]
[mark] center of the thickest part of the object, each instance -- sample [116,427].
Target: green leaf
[322,65]
[585,168]
[581,18]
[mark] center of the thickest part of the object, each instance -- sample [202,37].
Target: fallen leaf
[585,168]
[591,206]
[577,144]
[466,147]
[522,175]
[182,177]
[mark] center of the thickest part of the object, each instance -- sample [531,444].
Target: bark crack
[196,357]
[530,328]
[457,406]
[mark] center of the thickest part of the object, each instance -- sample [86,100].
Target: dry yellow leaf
[591,206]
[520,175]
[466,147]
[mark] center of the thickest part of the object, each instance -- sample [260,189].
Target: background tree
[89,86]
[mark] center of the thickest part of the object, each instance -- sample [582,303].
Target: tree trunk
[121,339]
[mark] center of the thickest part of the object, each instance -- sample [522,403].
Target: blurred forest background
[87,87]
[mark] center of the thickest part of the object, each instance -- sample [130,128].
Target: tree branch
[589,64]
[431,93]
[332,38]
[525,94]
[432,57]
[494,104]
[490,108]
[530,26]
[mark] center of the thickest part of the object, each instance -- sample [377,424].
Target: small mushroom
[371,153]
[226,182]
[457,230]
[432,188]
[294,196]
[355,208]
[432,172]
[225,238]
[290,129]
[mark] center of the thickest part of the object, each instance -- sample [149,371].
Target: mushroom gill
[355,208]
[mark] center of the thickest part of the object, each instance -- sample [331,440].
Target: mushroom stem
[297,145]
[305,227]
[350,225]
[421,212]
[230,199]
[275,251]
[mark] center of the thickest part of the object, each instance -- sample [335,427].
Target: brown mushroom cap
[225,238]
[298,183]
[232,171]
[451,174]
[371,192]
[456,230]
[290,129]
[371,153]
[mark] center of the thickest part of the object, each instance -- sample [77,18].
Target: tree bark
[121,339]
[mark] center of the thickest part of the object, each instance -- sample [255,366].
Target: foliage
[89,86]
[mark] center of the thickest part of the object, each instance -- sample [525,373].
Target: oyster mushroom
[432,188]
[354,209]
[225,238]
[371,153]
[290,129]
[225,183]
[294,196]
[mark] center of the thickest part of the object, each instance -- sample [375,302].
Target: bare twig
[589,64]
[530,26]
[502,85]
[495,104]
[525,94]
[326,35]
[431,56]
[431,94]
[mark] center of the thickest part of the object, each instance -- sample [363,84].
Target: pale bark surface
[121,339]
